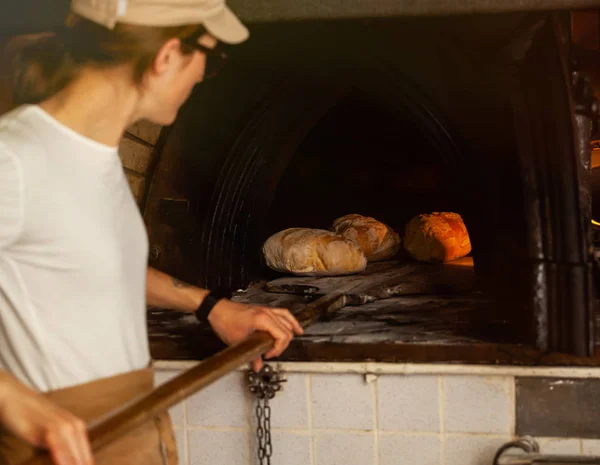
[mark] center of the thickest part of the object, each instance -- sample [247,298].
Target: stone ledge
[374,368]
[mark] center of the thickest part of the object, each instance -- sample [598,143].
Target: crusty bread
[376,239]
[438,237]
[313,252]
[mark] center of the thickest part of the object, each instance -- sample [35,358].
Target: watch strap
[209,302]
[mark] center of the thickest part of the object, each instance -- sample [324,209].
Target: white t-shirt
[73,256]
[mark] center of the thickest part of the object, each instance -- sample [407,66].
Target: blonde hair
[46,64]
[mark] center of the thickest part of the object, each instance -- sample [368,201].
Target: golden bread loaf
[437,237]
[313,252]
[376,239]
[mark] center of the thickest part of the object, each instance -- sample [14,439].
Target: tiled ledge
[355,417]
[368,368]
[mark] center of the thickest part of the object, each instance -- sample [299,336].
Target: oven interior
[389,118]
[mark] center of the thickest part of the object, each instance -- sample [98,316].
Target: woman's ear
[167,56]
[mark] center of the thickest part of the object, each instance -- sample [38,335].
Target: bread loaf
[438,237]
[313,252]
[376,239]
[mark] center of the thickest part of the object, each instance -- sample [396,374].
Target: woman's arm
[35,419]
[164,291]
[232,321]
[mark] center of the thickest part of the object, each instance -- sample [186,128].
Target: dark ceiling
[30,16]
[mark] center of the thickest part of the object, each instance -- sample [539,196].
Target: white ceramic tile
[177,412]
[162,376]
[564,446]
[341,401]
[408,403]
[288,448]
[180,438]
[218,447]
[472,450]
[344,449]
[289,407]
[409,450]
[224,403]
[478,404]
[591,447]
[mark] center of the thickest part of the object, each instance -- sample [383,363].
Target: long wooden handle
[182,386]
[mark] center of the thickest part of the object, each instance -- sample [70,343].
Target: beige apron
[153,443]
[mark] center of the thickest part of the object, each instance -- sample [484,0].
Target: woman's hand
[32,417]
[233,322]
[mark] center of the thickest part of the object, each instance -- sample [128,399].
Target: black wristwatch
[209,302]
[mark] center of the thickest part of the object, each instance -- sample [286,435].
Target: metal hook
[526,444]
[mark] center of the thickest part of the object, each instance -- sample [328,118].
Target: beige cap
[214,15]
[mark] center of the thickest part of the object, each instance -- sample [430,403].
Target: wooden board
[396,278]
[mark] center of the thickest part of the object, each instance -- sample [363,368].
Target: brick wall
[136,151]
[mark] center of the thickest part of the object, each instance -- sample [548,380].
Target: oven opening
[365,157]
[336,121]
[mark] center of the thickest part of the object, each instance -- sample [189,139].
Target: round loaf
[376,239]
[313,252]
[438,237]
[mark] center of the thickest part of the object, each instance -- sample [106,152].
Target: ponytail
[41,68]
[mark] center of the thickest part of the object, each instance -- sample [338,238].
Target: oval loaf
[313,252]
[376,239]
[437,237]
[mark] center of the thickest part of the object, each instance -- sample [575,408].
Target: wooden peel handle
[177,389]
[170,393]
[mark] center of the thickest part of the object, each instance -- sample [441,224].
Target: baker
[74,282]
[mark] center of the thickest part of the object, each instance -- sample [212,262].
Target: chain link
[264,385]
[263,434]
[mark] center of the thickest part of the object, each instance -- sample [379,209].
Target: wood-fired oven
[486,115]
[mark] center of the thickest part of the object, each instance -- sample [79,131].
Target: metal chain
[264,385]
[263,431]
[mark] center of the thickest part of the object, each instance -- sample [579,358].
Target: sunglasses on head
[215,57]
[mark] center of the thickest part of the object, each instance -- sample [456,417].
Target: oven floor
[424,319]
[407,329]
